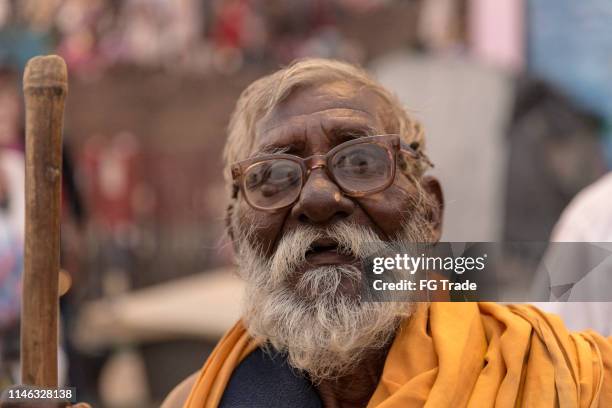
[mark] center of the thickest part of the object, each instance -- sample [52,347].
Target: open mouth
[323,245]
[327,251]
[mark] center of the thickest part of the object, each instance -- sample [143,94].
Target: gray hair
[263,95]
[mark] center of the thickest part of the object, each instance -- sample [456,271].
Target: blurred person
[39,14]
[154,34]
[236,26]
[27,30]
[306,339]
[12,201]
[554,152]
[109,170]
[12,224]
[140,42]
[76,21]
[112,169]
[587,219]
[11,262]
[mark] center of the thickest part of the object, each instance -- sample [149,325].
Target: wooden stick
[45,84]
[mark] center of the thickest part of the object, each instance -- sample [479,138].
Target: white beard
[321,330]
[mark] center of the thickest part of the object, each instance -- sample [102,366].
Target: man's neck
[355,388]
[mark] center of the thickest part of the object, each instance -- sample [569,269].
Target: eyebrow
[339,128]
[352,131]
[271,149]
[344,133]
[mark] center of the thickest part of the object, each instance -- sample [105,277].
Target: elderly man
[322,160]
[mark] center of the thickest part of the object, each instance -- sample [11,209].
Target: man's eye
[365,161]
[282,173]
[257,176]
[253,179]
[273,176]
[360,162]
[357,161]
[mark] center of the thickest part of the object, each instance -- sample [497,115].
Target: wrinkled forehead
[338,106]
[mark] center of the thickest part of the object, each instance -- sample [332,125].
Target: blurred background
[515,96]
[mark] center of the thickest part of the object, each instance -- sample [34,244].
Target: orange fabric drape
[464,355]
[231,350]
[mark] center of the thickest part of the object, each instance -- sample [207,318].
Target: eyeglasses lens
[273,183]
[361,168]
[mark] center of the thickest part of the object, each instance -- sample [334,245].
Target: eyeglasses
[359,167]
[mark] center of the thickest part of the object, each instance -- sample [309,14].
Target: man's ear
[433,188]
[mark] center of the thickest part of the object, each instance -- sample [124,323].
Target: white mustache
[290,253]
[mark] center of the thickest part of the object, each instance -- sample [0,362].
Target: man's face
[314,120]
[302,263]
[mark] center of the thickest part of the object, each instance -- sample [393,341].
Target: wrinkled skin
[310,121]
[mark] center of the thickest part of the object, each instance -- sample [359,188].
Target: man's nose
[321,201]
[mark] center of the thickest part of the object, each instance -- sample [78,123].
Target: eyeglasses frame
[391,142]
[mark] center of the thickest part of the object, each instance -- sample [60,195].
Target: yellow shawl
[464,355]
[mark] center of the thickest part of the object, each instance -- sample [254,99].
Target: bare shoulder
[178,396]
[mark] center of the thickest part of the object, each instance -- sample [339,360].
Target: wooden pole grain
[45,84]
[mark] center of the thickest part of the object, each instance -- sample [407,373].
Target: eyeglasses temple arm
[414,151]
[235,189]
